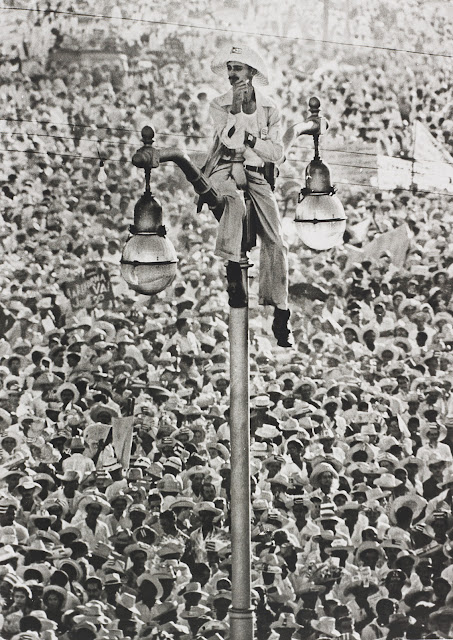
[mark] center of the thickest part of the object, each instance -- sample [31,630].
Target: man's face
[59,359]
[93,511]
[239,71]
[325,480]
[14,366]
[424,571]
[94,591]
[71,486]
[437,469]
[209,491]
[67,396]
[379,311]
[27,494]
[8,444]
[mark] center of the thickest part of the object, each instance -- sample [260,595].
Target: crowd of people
[105,535]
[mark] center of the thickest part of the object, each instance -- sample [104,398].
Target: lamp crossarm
[313,126]
[148,158]
[196,177]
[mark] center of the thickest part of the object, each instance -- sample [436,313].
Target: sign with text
[91,290]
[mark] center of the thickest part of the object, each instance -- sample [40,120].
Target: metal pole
[241,612]
[325,30]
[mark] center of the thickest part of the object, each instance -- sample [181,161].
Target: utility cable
[225,30]
[353,184]
[179,135]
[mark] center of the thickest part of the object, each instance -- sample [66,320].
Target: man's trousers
[273,278]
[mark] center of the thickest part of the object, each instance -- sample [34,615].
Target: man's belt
[249,167]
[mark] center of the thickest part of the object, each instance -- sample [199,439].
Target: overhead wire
[226,30]
[130,144]
[119,161]
[186,136]
[90,126]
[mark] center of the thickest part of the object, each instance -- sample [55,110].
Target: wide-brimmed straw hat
[96,500]
[240,53]
[325,626]
[52,588]
[318,470]
[412,501]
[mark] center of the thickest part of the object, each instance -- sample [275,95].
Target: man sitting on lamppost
[246,138]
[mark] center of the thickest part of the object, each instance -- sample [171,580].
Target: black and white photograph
[226,320]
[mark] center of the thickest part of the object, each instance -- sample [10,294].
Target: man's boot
[280,327]
[236,291]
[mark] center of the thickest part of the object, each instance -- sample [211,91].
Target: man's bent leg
[273,279]
[229,234]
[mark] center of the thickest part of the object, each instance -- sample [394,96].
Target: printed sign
[91,290]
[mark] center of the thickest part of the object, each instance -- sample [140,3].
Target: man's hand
[239,90]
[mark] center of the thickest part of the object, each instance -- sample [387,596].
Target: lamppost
[149,265]
[320,218]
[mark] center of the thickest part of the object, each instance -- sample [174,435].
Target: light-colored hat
[149,577]
[42,514]
[26,482]
[431,426]
[102,549]
[52,588]
[94,499]
[285,621]
[127,601]
[68,386]
[7,553]
[369,545]
[387,481]
[244,54]
[208,506]
[413,501]
[318,470]
[412,460]
[181,502]
[138,547]
[448,478]
[325,626]
[69,476]
[267,431]
[193,587]
[261,402]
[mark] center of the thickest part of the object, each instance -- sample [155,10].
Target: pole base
[242,624]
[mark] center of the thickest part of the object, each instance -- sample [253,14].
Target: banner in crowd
[395,241]
[91,290]
[427,147]
[433,165]
[433,175]
[122,432]
[394,173]
[430,168]
[359,231]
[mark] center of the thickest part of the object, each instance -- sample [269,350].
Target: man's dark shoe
[236,292]
[280,327]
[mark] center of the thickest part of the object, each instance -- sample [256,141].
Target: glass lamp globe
[149,263]
[321,221]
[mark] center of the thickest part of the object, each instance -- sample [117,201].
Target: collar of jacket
[262,100]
